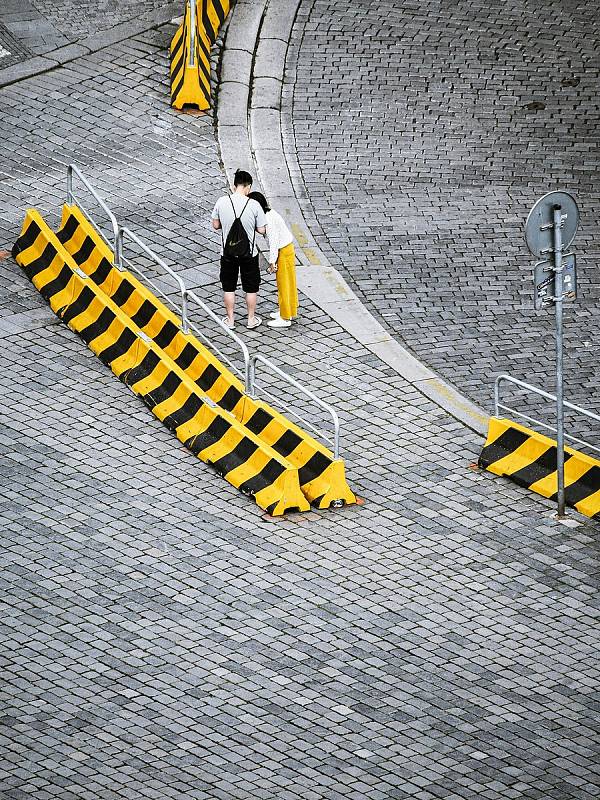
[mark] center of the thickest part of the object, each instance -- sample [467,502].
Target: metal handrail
[72,168]
[242,345]
[548,396]
[251,386]
[192,53]
[122,232]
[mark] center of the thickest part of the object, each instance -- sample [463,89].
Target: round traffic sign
[539,228]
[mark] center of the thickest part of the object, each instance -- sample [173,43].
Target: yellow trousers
[286,282]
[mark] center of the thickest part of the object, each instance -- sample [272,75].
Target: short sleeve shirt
[249,211]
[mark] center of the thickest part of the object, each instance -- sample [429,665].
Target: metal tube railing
[122,232]
[251,386]
[242,345]
[72,169]
[546,395]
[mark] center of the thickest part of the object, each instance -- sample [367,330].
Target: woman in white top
[282,261]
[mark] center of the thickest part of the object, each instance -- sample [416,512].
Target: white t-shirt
[278,234]
[249,211]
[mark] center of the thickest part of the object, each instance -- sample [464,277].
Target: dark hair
[260,199]
[242,178]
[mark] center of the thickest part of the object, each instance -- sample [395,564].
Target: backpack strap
[240,216]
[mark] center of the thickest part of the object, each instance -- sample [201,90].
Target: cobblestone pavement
[160,639]
[36,27]
[424,133]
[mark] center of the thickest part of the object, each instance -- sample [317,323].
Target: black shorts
[247,268]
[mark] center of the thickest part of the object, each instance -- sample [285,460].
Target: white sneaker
[228,324]
[275,315]
[278,322]
[255,322]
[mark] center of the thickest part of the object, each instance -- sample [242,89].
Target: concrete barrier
[190,52]
[529,459]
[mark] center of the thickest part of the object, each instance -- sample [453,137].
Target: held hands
[272,268]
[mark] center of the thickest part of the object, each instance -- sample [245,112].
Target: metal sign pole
[558,305]
[192,53]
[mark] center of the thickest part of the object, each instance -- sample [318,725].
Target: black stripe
[121,346]
[587,485]
[180,78]
[78,305]
[123,293]
[506,443]
[41,262]
[208,377]
[57,284]
[316,503]
[100,326]
[315,466]
[266,477]
[184,414]
[186,357]
[215,431]
[143,370]
[102,271]
[26,239]
[144,314]
[68,229]
[287,443]
[244,449]
[178,46]
[166,389]
[230,399]
[543,466]
[259,421]
[84,252]
[166,334]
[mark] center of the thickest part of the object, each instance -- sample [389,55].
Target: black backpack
[237,244]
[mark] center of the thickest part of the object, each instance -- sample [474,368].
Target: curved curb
[38,65]
[249,129]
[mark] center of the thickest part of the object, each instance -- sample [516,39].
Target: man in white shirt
[239,258]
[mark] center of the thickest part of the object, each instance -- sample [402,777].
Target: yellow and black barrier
[213,434]
[529,459]
[174,374]
[190,52]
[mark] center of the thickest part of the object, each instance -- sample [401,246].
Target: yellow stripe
[172,403]
[526,454]
[574,470]
[590,506]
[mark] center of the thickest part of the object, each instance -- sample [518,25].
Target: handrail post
[119,249]
[192,55]
[185,326]
[497,395]
[70,185]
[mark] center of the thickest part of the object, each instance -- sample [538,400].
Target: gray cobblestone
[420,157]
[160,638]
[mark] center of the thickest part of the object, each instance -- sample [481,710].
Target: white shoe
[278,322]
[255,322]
[228,324]
[275,315]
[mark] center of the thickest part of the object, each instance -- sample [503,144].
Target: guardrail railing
[73,200]
[251,391]
[548,396]
[187,297]
[125,232]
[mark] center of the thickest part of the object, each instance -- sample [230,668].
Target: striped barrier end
[529,459]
